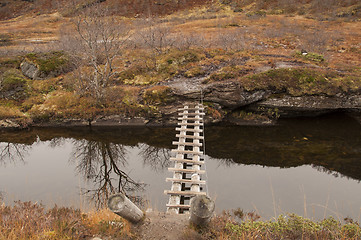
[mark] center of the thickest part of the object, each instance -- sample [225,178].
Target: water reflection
[101,164]
[12,153]
[157,158]
[113,159]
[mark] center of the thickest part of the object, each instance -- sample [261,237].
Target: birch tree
[101,38]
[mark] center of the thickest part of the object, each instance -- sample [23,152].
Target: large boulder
[228,94]
[30,69]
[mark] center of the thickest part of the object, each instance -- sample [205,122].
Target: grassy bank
[26,220]
[247,226]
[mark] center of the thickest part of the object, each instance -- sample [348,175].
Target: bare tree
[153,35]
[100,39]
[12,152]
[102,163]
[157,158]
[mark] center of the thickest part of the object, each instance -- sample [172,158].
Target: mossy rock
[50,64]
[158,95]
[13,85]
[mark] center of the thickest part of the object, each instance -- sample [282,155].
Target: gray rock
[30,69]
[312,105]
[231,95]
[227,94]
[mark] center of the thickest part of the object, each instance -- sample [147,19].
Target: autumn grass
[26,220]
[243,225]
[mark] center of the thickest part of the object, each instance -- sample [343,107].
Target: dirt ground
[162,226]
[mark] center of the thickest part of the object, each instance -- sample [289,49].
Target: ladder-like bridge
[188,162]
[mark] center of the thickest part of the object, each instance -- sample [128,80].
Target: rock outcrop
[232,96]
[30,69]
[312,105]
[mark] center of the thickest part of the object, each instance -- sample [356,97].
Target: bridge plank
[201,182]
[186,170]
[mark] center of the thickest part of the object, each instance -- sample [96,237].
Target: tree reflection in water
[12,152]
[157,158]
[101,163]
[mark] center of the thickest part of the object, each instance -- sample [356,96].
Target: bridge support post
[122,206]
[201,210]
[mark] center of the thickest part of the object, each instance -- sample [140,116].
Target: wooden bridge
[188,160]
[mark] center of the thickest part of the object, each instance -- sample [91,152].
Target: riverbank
[27,220]
[248,68]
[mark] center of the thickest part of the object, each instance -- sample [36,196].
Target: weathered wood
[189,136]
[191,118]
[179,206]
[184,193]
[121,205]
[186,170]
[201,182]
[191,109]
[186,161]
[201,210]
[186,151]
[187,144]
[190,124]
[191,114]
[189,130]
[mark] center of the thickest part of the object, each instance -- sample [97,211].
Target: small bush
[7,112]
[158,95]
[195,72]
[52,63]
[295,82]
[11,80]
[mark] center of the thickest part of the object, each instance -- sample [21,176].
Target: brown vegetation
[116,63]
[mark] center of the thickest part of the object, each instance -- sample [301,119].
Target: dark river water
[311,167]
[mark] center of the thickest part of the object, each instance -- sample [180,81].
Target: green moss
[228,72]
[195,72]
[295,82]
[178,57]
[314,57]
[12,79]
[158,95]
[53,62]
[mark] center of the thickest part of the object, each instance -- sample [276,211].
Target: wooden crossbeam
[179,206]
[187,152]
[186,170]
[191,109]
[189,130]
[190,119]
[184,193]
[181,160]
[187,144]
[202,182]
[190,124]
[189,136]
[191,114]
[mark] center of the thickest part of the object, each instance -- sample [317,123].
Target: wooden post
[201,210]
[122,206]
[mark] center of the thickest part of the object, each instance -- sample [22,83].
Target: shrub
[52,63]
[11,80]
[295,82]
[158,95]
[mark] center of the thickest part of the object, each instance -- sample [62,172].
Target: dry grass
[244,225]
[26,220]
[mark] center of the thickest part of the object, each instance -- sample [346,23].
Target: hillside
[252,62]
[330,8]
